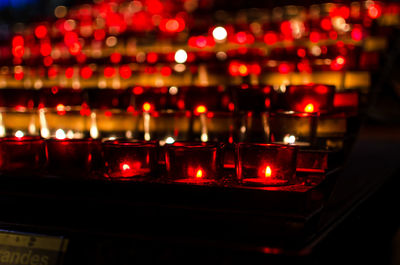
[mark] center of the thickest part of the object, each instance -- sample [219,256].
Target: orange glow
[201,109]
[374,11]
[147,107]
[199,174]
[309,108]
[268,172]
[243,70]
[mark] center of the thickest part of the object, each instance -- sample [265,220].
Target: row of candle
[307,129]
[181,162]
[243,97]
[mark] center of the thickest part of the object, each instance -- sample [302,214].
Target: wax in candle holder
[193,163]
[265,164]
[22,155]
[72,158]
[309,98]
[292,128]
[136,160]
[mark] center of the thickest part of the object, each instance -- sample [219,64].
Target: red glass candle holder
[130,159]
[22,155]
[72,158]
[265,164]
[310,98]
[193,163]
[288,127]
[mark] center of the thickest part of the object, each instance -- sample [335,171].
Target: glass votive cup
[18,123]
[130,159]
[218,126]
[265,164]
[294,128]
[167,126]
[72,158]
[112,124]
[22,155]
[193,162]
[63,122]
[309,98]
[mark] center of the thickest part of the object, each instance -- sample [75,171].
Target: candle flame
[268,172]
[309,108]
[19,134]
[60,134]
[199,174]
[125,167]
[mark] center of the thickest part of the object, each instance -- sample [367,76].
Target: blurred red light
[115,57]
[326,24]
[286,28]
[284,68]
[255,69]
[41,31]
[19,75]
[69,72]
[234,68]
[152,57]
[356,34]
[338,63]
[86,72]
[137,90]
[374,11]
[172,25]
[45,49]
[314,36]
[18,40]
[321,89]
[47,61]
[125,71]
[166,71]
[301,52]
[270,38]
[109,71]
[99,34]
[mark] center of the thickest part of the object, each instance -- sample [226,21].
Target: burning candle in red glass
[265,164]
[130,159]
[310,98]
[193,163]
[72,157]
[25,155]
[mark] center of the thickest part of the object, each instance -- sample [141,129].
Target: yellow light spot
[268,172]
[201,109]
[199,174]
[309,108]
[146,107]
[125,167]
[19,134]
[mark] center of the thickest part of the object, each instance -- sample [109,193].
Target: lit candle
[193,163]
[265,164]
[309,98]
[124,159]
